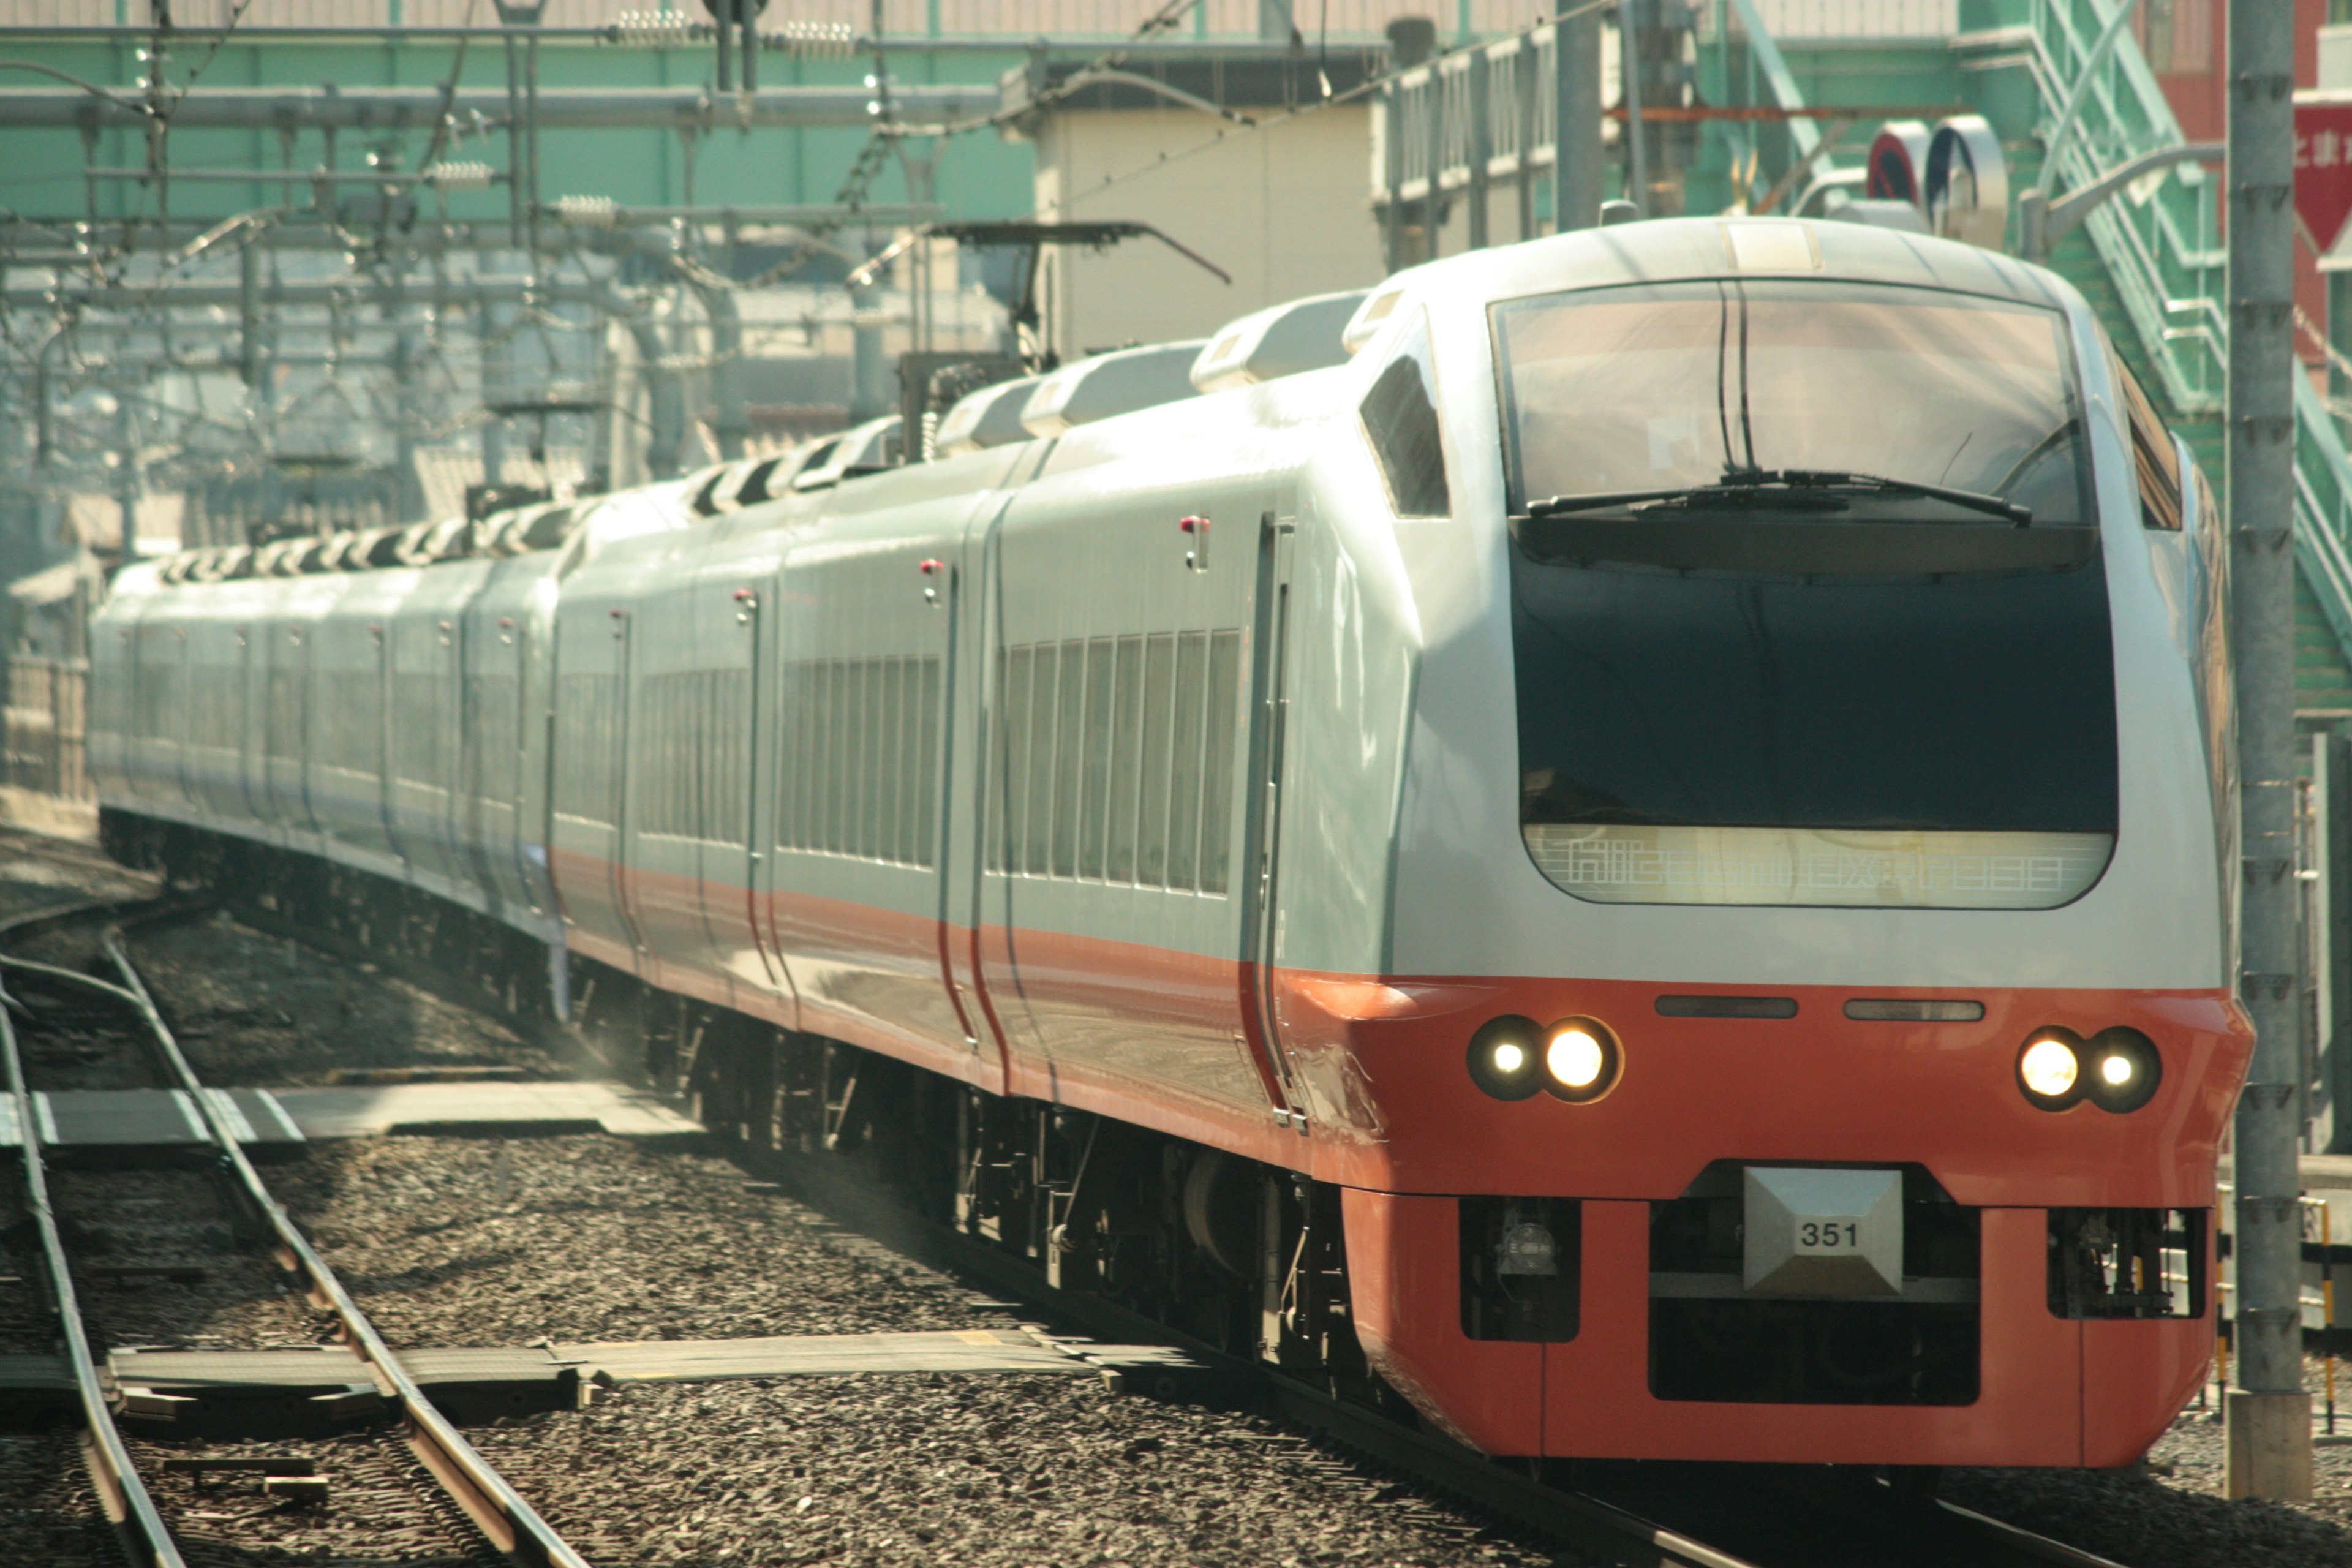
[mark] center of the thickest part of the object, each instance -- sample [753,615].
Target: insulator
[587,212]
[461,176]
[811,40]
[654,29]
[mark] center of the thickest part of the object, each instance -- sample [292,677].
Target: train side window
[1116,760]
[2154,457]
[1400,416]
[861,743]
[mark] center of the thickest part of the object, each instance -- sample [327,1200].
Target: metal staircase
[2153,262]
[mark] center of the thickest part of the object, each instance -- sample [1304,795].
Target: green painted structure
[980,175]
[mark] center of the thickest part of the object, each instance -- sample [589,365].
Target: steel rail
[2020,1542]
[513,1526]
[122,1494]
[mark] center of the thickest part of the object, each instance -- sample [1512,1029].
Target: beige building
[1282,205]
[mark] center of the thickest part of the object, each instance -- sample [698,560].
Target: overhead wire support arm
[2043,222]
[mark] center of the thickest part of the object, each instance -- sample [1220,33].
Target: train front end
[1805,1032]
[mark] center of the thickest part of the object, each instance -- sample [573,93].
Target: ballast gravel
[254,1010]
[919,1469]
[2169,1512]
[581,1238]
[507,1242]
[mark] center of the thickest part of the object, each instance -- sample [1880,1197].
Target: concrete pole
[1576,125]
[2268,1415]
[869,381]
[408,485]
[495,383]
[1629,76]
[248,311]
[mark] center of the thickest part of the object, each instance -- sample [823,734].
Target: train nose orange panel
[2028,1411]
[1405,1274]
[2052,1390]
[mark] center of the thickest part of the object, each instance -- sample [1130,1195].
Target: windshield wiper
[1796,489]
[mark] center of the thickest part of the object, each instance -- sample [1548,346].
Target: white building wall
[1283,208]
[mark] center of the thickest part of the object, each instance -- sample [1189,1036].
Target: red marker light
[931,566]
[1194,524]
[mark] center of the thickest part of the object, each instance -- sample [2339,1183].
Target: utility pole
[2268,1415]
[1629,75]
[1576,122]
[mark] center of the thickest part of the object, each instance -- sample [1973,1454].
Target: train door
[423,699]
[212,694]
[757,606]
[285,722]
[674,696]
[865,634]
[587,806]
[972,701]
[1129,874]
[159,702]
[248,703]
[347,744]
[1260,846]
[731,608]
[493,645]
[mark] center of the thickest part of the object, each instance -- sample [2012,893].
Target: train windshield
[1678,385]
[1808,604]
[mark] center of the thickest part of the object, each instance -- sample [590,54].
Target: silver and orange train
[1633,853]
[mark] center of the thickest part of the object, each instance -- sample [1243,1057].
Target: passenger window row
[861,741]
[1114,760]
[691,734]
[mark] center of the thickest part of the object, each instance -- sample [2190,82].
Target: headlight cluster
[2116,1069]
[1576,1059]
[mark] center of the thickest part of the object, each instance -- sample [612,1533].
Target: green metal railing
[2159,245]
[2161,242]
[2162,249]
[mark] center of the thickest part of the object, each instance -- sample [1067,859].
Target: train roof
[1678,249]
[1299,340]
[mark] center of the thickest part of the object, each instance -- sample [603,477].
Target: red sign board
[2322,169]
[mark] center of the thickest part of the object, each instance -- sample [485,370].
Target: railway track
[507,1522]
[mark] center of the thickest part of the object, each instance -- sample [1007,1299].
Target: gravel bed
[2171,1513]
[168,1217]
[255,1010]
[49,1514]
[384,1510]
[878,1469]
[38,872]
[590,1238]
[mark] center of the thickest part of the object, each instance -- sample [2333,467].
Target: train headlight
[1503,1057]
[1574,1058]
[1582,1060]
[2050,1069]
[2125,1068]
